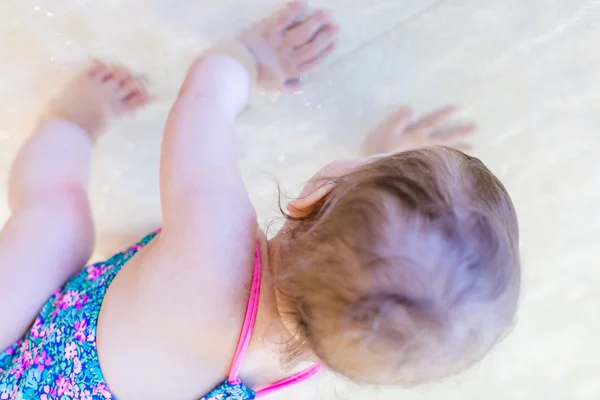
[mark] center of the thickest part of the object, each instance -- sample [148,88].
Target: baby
[394,269]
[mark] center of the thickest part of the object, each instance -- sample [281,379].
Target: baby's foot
[289,44]
[95,95]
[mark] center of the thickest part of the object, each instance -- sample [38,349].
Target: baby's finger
[398,121]
[454,131]
[306,30]
[383,138]
[312,64]
[290,14]
[432,121]
[314,49]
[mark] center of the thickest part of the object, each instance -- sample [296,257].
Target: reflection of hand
[289,44]
[398,133]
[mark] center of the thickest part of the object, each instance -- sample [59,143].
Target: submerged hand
[398,133]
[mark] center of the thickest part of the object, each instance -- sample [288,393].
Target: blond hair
[407,272]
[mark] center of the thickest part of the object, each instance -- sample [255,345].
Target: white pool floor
[527,71]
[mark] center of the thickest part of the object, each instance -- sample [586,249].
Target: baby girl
[394,269]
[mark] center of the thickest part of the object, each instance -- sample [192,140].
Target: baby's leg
[49,235]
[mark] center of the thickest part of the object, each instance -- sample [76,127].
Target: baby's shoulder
[202,278]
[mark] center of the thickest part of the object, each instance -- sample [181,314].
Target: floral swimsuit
[57,357]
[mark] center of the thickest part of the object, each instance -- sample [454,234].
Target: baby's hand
[289,44]
[400,133]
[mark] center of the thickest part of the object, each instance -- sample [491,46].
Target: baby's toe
[117,79]
[135,100]
[95,68]
[134,93]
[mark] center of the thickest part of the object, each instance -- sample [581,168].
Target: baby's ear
[303,207]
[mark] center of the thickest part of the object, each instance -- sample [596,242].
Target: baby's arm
[199,266]
[201,187]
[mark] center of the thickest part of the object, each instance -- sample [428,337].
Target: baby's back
[166,328]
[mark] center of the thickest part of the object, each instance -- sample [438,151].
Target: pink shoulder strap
[248,327]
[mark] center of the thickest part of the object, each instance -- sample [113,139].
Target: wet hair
[407,272]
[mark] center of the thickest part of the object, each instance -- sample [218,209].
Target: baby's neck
[271,267]
[269,308]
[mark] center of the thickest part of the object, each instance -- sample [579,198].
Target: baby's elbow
[218,78]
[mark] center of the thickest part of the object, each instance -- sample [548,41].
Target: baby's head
[406,271]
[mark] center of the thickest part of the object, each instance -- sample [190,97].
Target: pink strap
[292,380]
[248,327]
[249,320]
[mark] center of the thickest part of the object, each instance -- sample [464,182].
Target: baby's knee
[64,206]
